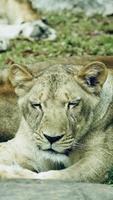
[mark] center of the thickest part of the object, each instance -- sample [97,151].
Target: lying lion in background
[20,19]
[66,123]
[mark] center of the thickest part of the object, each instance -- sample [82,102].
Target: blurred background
[84,27]
[90,7]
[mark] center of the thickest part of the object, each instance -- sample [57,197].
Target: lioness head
[58,103]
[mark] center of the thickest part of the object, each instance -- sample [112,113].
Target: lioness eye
[73,103]
[36,105]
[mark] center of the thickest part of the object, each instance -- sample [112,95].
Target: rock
[53,190]
[90,7]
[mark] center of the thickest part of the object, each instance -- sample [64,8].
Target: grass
[109,179]
[77,34]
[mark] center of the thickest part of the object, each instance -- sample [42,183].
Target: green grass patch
[77,34]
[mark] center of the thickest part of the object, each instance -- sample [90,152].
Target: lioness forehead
[56,82]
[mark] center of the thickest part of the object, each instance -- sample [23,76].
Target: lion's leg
[24,23]
[15,171]
[4,45]
[9,163]
[92,168]
[8,32]
[33,31]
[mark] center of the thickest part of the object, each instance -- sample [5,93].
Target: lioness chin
[66,124]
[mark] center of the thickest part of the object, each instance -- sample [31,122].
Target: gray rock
[53,190]
[90,7]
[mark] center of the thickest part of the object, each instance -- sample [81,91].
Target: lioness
[20,19]
[66,125]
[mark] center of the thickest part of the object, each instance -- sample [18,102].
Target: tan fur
[85,150]
[9,123]
[9,112]
[17,11]
[18,19]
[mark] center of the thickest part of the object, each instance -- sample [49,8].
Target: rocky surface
[53,190]
[90,7]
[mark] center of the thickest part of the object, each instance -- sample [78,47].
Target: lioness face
[58,106]
[57,112]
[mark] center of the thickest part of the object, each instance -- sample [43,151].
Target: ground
[53,190]
[77,34]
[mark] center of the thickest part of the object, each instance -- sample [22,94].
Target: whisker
[39,136]
[79,146]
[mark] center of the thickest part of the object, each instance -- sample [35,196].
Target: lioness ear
[93,76]
[20,78]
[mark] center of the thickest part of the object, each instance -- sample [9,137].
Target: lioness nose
[53,139]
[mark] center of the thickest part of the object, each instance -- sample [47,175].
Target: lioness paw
[4,45]
[50,175]
[15,171]
[38,30]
